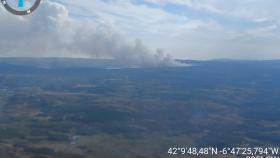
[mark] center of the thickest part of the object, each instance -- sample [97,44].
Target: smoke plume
[51,32]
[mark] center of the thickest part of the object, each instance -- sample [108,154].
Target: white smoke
[51,32]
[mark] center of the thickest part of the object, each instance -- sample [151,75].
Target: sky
[155,29]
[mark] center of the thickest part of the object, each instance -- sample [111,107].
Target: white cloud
[199,29]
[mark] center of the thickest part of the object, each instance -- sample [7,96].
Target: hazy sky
[189,29]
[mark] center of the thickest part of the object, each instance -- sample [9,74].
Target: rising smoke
[51,32]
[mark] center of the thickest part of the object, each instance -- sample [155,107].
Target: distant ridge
[54,62]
